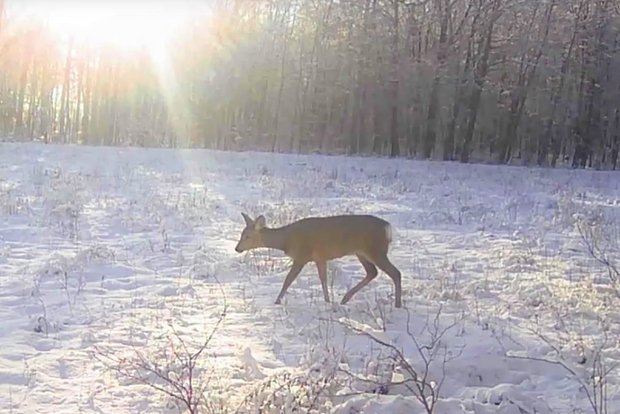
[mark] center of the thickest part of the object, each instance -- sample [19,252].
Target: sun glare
[122,25]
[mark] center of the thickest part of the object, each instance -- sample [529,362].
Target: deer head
[251,235]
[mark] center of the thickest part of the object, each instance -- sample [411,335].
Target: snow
[127,254]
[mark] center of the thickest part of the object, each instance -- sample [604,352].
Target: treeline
[506,81]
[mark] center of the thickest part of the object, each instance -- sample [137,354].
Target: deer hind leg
[290,277]
[384,264]
[321,266]
[371,273]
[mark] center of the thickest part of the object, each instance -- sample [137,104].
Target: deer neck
[274,238]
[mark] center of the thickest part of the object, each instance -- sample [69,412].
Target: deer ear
[248,220]
[259,223]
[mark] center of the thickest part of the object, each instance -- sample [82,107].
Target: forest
[524,82]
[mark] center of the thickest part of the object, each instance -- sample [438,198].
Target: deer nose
[238,249]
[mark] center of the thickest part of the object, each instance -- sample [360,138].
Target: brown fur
[320,239]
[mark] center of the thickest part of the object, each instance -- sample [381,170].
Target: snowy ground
[112,259]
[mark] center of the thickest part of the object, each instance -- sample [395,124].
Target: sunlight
[123,25]
[125,28]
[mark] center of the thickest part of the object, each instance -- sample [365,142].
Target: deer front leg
[321,266]
[292,274]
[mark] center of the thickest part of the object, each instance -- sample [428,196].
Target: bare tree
[514,80]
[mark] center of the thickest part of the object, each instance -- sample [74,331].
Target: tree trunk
[443,7]
[394,84]
[553,143]
[526,77]
[64,97]
[283,62]
[480,73]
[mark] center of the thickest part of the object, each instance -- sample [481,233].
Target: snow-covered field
[116,264]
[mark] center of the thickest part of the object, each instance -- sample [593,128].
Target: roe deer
[319,239]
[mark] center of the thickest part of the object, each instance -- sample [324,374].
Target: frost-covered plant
[289,392]
[263,263]
[422,379]
[11,202]
[65,217]
[586,360]
[173,369]
[599,238]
